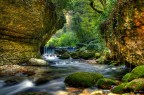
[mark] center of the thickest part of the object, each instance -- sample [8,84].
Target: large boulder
[15,70]
[25,26]
[135,85]
[82,79]
[137,72]
[37,62]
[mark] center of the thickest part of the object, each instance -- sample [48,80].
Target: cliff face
[125,36]
[25,25]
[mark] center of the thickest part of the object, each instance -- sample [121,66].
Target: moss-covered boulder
[74,55]
[106,83]
[65,56]
[137,72]
[133,86]
[120,88]
[87,55]
[82,79]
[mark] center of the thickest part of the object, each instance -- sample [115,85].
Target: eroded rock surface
[126,33]
[25,25]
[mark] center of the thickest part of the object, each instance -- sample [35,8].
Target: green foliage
[63,39]
[82,79]
[84,24]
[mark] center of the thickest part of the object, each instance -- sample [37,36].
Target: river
[57,71]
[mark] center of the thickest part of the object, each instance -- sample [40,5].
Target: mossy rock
[133,86]
[137,72]
[82,79]
[120,88]
[106,83]
[87,55]
[128,77]
[136,85]
[74,55]
[65,56]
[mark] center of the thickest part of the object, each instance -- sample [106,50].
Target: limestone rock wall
[25,25]
[125,36]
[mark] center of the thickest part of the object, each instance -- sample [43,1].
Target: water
[56,73]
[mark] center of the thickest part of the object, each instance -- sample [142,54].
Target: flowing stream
[59,69]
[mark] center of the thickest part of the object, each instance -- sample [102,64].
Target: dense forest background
[83,20]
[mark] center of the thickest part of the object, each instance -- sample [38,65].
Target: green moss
[120,88]
[128,77]
[134,85]
[65,56]
[74,55]
[106,83]
[87,55]
[137,72]
[82,79]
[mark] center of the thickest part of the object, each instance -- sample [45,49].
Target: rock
[82,79]
[137,72]
[128,44]
[85,92]
[106,83]
[120,88]
[87,55]
[132,86]
[30,26]
[15,70]
[14,80]
[37,62]
[92,61]
[65,56]
[136,85]
[42,80]
[74,55]
[98,92]
[116,94]
[61,93]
